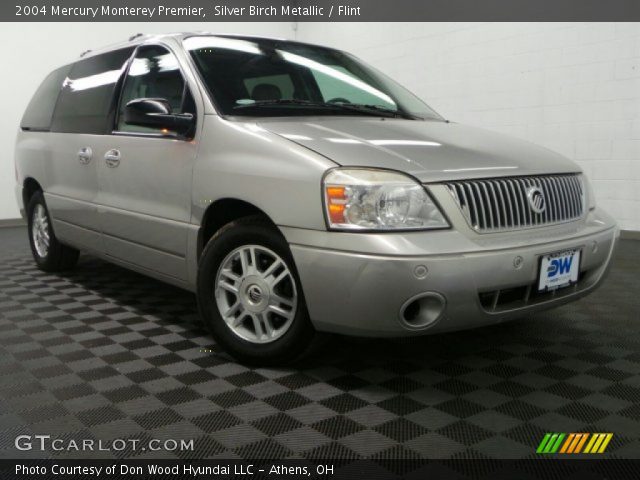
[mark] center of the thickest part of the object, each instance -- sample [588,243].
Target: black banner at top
[317,10]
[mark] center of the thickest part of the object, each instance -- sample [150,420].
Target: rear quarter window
[86,103]
[39,112]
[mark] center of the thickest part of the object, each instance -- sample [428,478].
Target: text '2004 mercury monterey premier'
[298,190]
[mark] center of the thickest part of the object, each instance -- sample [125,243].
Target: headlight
[361,199]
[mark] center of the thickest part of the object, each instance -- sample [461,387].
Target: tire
[269,322]
[50,255]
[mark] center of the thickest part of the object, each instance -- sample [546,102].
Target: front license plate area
[559,269]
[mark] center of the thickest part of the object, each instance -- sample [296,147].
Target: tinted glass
[40,109]
[291,78]
[154,73]
[86,101]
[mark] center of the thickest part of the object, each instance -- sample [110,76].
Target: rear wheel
[50,255]
[250,296]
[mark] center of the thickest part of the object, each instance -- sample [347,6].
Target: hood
[431,151]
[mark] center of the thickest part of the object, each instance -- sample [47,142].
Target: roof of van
[142,38]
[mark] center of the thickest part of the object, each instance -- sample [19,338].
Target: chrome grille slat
[553,217]
[489,203]
[567,185]
[523,198]
[482,217]
[577,194]
[500,204]
[557,204]
[547,194]
[503,205]
[555,212]
[514,202]
[473,212]
[462,194]
[567,199]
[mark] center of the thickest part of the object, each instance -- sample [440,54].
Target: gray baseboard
[630,234]
[13,222]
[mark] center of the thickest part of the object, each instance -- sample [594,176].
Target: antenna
[84,53]
[133,37]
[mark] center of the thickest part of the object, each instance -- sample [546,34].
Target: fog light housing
[422,310]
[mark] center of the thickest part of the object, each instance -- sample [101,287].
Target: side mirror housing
[156,113]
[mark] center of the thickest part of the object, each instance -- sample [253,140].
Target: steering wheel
[338,100]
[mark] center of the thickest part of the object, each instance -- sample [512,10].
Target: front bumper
[362,284]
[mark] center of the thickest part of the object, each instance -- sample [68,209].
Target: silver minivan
[297,190]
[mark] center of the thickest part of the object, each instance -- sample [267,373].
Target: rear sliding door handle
[84,155]
[112,158]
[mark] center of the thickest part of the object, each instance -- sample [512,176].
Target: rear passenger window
[86,101]
[40,109]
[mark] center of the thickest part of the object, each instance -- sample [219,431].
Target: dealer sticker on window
[559,269]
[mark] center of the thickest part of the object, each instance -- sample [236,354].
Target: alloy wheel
[40,230]
[256,294]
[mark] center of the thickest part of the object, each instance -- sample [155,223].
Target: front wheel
[250,296]
[50,255]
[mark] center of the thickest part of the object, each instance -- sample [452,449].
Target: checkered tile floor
[103,353]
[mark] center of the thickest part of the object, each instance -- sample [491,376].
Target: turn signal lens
[336,200]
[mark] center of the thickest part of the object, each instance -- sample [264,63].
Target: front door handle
[112,158]
[84,155]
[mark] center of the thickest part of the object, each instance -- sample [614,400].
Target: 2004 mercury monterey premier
[296,190]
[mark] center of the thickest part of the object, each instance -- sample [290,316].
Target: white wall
[31,51]
[572,87]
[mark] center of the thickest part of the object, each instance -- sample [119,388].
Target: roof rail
[133,37]
[84,53]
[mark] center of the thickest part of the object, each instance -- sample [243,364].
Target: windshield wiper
[282,101]
[383,110]
[372,110]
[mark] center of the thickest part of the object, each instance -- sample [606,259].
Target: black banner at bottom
[462,469]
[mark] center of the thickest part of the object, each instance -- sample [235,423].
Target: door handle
[112,158]
[84,155]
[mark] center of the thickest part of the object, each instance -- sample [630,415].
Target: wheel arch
[29,187]
[223,211]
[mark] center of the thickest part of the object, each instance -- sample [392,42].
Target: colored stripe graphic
[605,442]
[567,443]
[543,443]
[556,445]
[576,439]
[581,443]
[598,443]
[593,439]
[550,443]
[573,443]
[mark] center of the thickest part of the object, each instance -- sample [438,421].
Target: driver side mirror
[156,113]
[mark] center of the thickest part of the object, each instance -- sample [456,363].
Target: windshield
[264,77]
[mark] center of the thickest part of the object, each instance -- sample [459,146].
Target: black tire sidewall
[236,234]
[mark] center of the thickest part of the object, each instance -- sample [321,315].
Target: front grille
[498,204]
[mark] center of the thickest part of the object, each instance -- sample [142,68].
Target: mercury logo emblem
[536,199]
[255,294]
